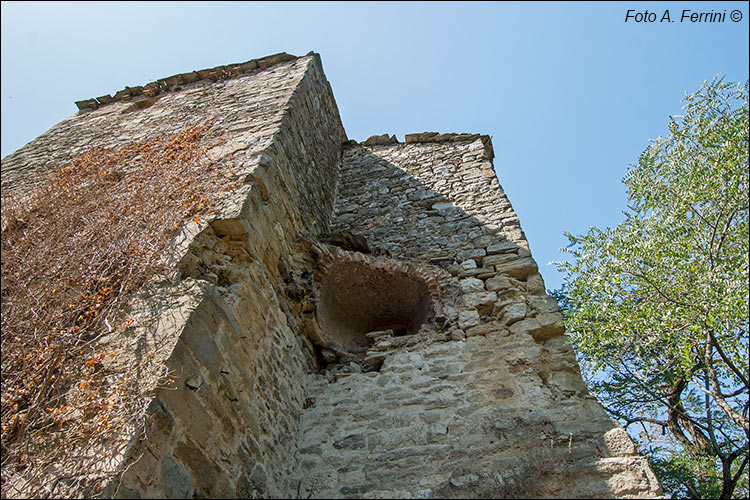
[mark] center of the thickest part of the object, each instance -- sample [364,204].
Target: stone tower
[358,320]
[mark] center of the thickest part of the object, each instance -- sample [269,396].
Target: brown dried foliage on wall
[73,254]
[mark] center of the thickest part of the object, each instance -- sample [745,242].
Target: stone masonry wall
[487,402]
[249,105]
[365,322]
[218,326]
[228,427]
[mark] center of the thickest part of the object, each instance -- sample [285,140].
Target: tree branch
[658,290]
[676,420]
[707,402]
[724,231]
[741,468]
[726,408]
[713,236]
[725,358]
[628,421]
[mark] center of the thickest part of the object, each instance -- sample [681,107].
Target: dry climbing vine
[73,253]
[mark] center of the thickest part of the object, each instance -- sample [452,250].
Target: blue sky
[569,92]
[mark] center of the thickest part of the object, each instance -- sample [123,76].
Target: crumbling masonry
[360,320]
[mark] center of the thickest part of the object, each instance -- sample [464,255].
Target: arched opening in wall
[356,298]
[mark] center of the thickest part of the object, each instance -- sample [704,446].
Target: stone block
[498,283]
[566,383]
[470,285]
[479,273]
[177,481]
[457,334]
[353,441]
[468,265]
[542,327]
[499,259]
[484,329]
[191,77]
[190,413]
[420,137]
[472,253]
[161,419]
[483,241]
[88,104]
[259,478]
[486,273]
[377,140]
[204,472]
[525,326]
[482,301]
[545,304]
[249,66]
[197,336]
[513,313]
[618,443]
[122,95]
[551,325]
[517,268]
[151,89]
[468,318]
[535,284]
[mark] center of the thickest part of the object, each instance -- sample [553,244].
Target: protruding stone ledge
[451,137]
[174,82]
[437,137]
[424,137]
[378,140]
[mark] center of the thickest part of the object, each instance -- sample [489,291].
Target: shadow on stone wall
[484,399]
[489,401]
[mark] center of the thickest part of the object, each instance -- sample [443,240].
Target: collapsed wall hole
[355,298]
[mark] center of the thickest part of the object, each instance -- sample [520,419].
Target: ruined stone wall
[486,401]
[372,326]
[228,427]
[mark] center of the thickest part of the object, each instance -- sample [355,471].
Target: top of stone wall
[426,137]
[175,82]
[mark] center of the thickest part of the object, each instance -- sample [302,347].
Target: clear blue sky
[569,92]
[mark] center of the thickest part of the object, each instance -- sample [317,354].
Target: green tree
[657,308]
